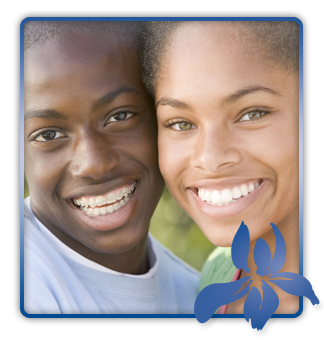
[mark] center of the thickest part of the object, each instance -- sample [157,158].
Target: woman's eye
[253,115]
[49,135]
[183,126]
[120,117]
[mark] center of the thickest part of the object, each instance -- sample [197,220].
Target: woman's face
[228,134]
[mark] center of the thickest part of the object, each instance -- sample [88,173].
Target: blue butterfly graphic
[257,307]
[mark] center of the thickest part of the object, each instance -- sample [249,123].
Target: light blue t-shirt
[55,283]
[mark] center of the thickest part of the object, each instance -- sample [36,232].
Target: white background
[14,326]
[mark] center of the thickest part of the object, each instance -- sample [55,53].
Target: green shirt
[218,268]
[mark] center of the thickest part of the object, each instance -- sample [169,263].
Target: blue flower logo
[259,307]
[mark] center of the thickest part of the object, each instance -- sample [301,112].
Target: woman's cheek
[171,157]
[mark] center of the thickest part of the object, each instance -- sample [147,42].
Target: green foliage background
[177,231]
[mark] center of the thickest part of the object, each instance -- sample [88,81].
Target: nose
[93,157]
[215,150]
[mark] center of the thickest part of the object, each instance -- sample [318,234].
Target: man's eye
[254,114]
[49,135]
[183,126]
[120,117]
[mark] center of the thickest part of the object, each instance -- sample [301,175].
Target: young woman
[226,95]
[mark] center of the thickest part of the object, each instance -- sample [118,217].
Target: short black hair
[37,32]
[276,41]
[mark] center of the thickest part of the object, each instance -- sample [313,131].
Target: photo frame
[300,162]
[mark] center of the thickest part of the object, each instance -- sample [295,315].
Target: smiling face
[90,143]
[228,134]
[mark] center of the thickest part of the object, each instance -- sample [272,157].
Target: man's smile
[105,203]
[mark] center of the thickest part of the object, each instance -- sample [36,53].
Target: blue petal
[260,310]
[296,285]
[241,247]
[279,256]
[262,257]
[215,295]
[252,304]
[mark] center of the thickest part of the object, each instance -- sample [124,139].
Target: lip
[110,221]
[233,209]
[105,198]
[223,183]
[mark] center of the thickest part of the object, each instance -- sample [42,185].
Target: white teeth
[201,194]
[236,193]
[90,205]
[208,196]
[227,196]
[244,189]
[216,197]
[103,211]
[99,200]
[106,210]
[251,187]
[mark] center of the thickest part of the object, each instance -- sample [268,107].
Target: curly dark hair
[37,33]
[275,41]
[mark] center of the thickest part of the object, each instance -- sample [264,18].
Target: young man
[91,167]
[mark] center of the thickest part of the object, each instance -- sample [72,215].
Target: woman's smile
[227,196]
[228,133]
[227,202]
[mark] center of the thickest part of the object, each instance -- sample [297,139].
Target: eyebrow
[44,113]
[230,99]
[246,91]
[165,101]
[50,113]
[111,96]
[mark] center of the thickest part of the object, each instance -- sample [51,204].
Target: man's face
[90,142]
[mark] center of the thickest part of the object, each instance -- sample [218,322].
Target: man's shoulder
[218,268]
[178,282]
[174,263]
[45,288]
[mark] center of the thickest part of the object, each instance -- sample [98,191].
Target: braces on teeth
[227,196]
[90,207]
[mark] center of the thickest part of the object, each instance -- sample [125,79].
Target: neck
[289,229]
[117,255]
[290,232]
[133,261]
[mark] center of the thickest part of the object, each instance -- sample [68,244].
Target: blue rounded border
[21,146]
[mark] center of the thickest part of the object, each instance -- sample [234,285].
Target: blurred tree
[178,232]
[26,190]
